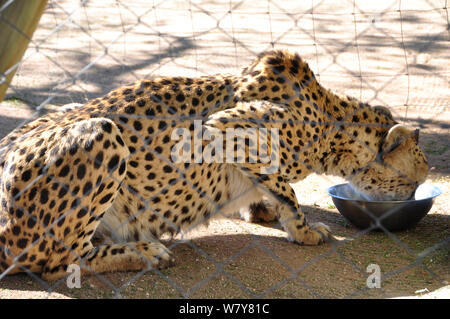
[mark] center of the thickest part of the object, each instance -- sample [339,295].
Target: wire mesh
[392,53]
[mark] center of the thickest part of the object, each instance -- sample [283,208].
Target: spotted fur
[105,170]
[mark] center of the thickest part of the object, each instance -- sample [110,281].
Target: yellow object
[18,20]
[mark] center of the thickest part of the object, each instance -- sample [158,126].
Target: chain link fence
[391,53]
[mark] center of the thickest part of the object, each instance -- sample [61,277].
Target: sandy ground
[376,52]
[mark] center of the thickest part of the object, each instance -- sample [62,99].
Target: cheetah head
[400,166]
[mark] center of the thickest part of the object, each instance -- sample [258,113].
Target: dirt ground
[385,56]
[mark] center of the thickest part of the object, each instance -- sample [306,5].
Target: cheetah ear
[383,110]
[399,135]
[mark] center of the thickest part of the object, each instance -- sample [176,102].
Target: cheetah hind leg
[76,244]
[263,211]
[132,256]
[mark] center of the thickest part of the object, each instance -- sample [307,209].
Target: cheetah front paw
[313,234]
[324,232]
[157,255]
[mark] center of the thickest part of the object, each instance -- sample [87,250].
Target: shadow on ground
[99,78]
[235,259]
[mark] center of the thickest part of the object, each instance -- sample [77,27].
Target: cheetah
[106,170]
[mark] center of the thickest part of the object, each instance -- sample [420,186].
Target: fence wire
[392,53]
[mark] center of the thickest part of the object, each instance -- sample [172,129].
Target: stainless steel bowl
[392,215]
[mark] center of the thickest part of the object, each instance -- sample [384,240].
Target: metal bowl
[392,215]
